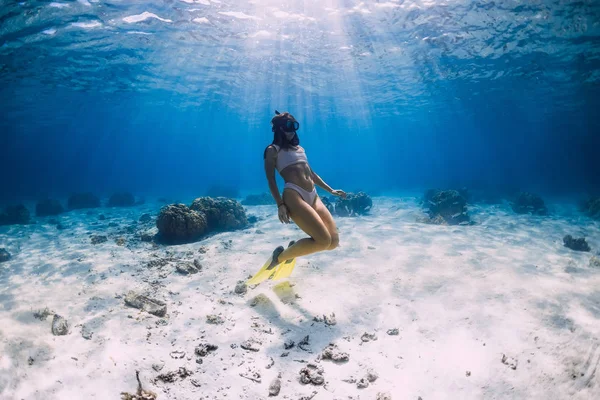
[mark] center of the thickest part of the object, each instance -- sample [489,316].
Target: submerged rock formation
[177,223]
[591,207]
[258,200]
[83,200]
[12,215]
[121,200]
[576,244]
[352,206]
[48,207]
[445,207]
[221,213]
[525,203]
[4,255]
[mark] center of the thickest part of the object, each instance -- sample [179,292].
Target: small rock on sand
[393,332]
[368,337]
[97,239]
[120,241]
[205,348]
[151,306]
[60,326]
[4,255]
[312,374]
[158,366]
[371,376]
[594,262]
[363,383]
[576,244]
[86,332]
[383,396]
[331,352]
[275,387]
[251,345]
[241,288]
[186,268]
[214,319]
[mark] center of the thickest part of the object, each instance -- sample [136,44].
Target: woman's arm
[270,160]
[320,182]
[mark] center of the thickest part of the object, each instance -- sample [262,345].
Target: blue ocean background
[391,96]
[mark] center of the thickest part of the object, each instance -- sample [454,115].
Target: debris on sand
[140,394]
[204,349]
[303,344]
[214,319]
[275,386]
[251,345]
[289,344]
[312,374]
[252,375]
[60,326]
[177,354]
[327,319]
[120,241]
[332,352]
[594,262]
[511,362]
[172,376]
[151,306]
[393,332]
[383,396]
[368,337]
[97,239]
[42,314]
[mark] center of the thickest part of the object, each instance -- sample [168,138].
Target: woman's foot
[275,257]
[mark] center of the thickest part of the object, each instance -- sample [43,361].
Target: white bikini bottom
[307,196]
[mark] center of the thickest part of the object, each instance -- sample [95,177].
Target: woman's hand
[283,213]
[340,193]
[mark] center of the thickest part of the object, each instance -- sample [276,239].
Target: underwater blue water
[169,98]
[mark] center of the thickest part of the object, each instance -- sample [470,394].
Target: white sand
[461,298]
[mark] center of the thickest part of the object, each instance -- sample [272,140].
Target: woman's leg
[309,221]
[328,221]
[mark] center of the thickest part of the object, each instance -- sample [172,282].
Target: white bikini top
[287,157]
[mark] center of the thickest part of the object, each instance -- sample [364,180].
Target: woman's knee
[323,241]
[335,241]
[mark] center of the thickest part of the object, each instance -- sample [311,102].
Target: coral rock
[178,223]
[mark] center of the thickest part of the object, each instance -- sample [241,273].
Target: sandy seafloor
[463,298]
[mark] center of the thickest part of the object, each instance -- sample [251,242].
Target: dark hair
[279,137]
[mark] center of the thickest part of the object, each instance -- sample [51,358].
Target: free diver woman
[299,202]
